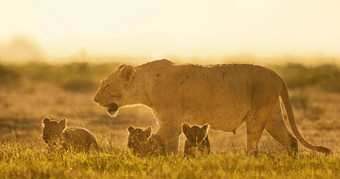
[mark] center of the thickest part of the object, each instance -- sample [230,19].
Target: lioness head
[114,89]
[52,130]
[138,138]
[195,134]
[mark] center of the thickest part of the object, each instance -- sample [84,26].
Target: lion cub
[142,143]
[56,133]
[197,142]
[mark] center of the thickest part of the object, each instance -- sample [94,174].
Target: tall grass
[39,162]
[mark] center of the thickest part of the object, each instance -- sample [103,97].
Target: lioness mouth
[112,108]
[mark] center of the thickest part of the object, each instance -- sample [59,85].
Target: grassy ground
[38,162]
[30,92]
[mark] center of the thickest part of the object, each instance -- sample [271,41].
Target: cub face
[195,134]
[52,130]
[138,139]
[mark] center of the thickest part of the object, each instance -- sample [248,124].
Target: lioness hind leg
[278,130]
[255,124]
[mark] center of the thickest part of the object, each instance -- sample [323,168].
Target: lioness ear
[205,128]
[130,129]
[46,120]
[148,132]
[63,123]
[127,73]
[185,127]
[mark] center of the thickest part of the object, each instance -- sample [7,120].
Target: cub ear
[131,128]
[185,127]
[127,73]
[63,123]
[121,66]
[205,128]
[46,120]
[148,132]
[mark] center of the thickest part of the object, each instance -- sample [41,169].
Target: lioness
[197,142]
[225,96]
[78,138]
[141,142]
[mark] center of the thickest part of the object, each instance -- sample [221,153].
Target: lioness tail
[285,99]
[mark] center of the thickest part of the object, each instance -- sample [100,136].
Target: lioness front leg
[170,137]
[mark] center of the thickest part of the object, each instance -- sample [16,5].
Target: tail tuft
[325,150]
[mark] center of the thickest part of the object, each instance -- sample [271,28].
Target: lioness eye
[117,95]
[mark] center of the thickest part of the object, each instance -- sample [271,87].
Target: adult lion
[225,96]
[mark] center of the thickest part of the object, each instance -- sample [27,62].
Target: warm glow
[161,29]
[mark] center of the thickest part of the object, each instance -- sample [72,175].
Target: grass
[17,160]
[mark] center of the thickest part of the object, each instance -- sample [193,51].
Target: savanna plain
[29,92]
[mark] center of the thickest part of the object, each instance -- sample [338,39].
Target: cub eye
[191,137]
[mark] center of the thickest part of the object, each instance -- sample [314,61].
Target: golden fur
[142,143]
[56,133]
[197,142]
[225,96]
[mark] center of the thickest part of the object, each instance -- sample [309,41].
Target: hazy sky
[158,28]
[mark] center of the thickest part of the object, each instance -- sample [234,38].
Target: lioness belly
[219,119]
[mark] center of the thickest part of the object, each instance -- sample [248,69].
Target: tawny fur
[56,133]
[142,143]
[225,96]
[197,142]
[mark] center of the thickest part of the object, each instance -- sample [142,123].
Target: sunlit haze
[163,29]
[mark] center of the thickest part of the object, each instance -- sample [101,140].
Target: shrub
[82,85]
[325,77]
[8,77]
[300,101]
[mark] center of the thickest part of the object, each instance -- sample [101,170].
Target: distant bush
[325,77]
[82,76]
[71,76]
[8,77]
[80,85]
[300,100]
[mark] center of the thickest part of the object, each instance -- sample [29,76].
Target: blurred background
[54,54]
[141,30]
